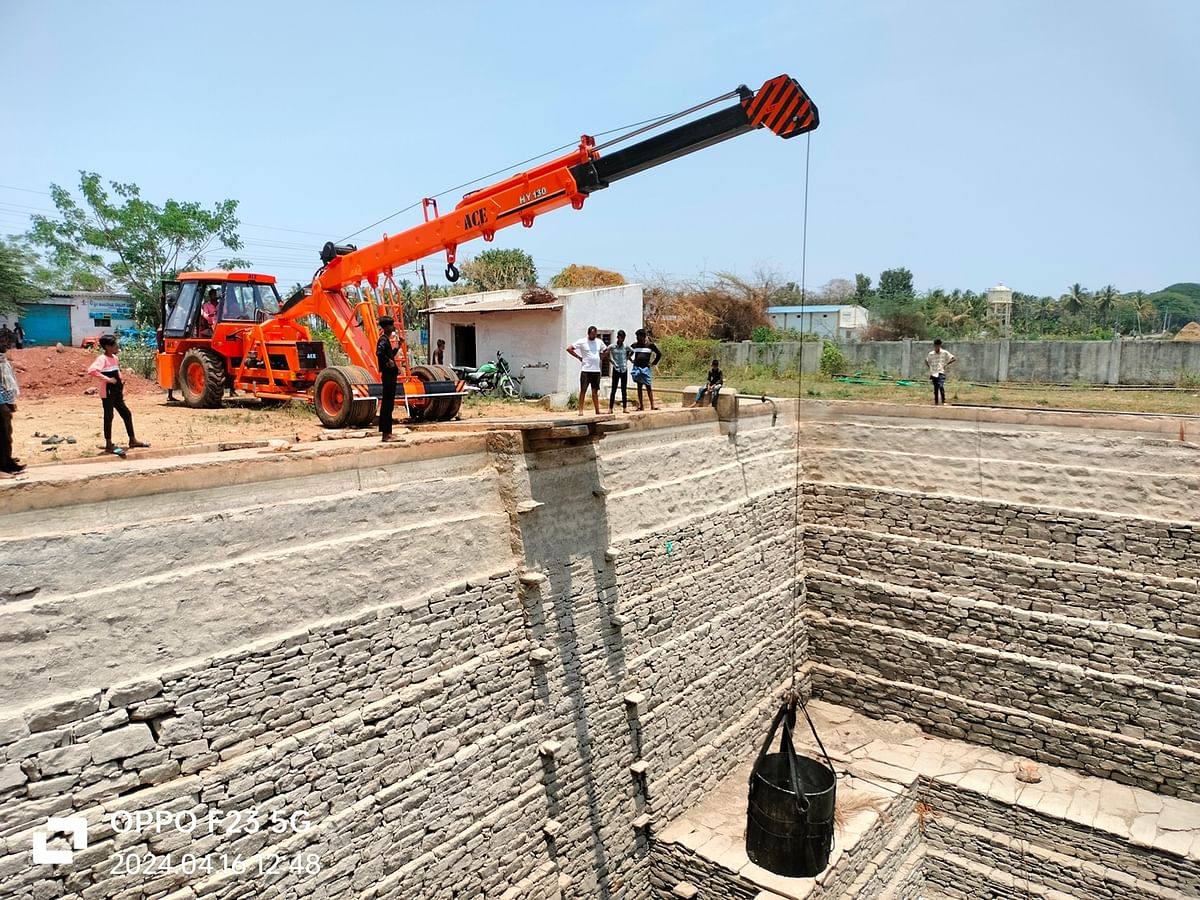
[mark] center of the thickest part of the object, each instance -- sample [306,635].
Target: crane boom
[270,353]
[781,105]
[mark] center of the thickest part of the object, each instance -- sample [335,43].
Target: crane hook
[452,273]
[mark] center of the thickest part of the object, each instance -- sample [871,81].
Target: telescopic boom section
[780,105]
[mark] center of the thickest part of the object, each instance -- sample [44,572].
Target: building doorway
[464,346]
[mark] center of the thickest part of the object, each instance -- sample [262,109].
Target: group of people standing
[636,361]
[15,335]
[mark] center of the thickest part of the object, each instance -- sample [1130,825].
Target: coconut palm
[1141,306]
[1105,299]
[1075,299]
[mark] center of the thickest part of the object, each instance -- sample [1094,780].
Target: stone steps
[1093,847]
[1137,760]
[892,872]
[1039,865]
[1129,704]
[962,879]
[973,622]
[877,848]
[1027,580]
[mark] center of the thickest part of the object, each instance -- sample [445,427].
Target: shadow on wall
[575,613]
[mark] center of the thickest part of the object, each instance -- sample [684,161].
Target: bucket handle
[804,709]
[786,715]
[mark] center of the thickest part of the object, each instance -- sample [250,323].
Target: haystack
[1189,332]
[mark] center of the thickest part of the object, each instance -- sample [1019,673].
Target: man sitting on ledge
[716,380]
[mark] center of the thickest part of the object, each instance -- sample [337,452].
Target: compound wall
[445,668]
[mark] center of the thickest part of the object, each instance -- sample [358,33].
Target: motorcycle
[487,377]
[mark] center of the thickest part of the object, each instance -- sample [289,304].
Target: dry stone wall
[1066,633]
[468,674]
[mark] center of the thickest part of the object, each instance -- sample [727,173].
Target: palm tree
[1105,299]
[1075,299]
[1141,306]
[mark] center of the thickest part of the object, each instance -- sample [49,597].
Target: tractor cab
[195,305]
[219,331]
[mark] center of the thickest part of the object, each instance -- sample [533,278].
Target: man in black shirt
[385,356]
[644,354]
[716,380]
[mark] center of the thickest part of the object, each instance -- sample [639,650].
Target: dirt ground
[59,400]
[168,426]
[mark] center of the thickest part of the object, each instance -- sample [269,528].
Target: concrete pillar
[1002,361]
[906,360]
[1114,361]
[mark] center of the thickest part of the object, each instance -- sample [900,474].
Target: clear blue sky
[1037,143]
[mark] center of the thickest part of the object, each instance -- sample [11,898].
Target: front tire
[202,379]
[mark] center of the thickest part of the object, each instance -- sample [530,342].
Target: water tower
[1000,309]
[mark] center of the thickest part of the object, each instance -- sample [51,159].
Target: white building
[71,317]
[532,336]
[840,322]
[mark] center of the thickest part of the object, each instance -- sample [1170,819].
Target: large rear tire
[363,411]
[442,409]
[333,396]
[202,378]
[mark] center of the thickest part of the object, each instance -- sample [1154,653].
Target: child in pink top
[107,369]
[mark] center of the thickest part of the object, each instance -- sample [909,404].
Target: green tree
[130,243]
[16,283]
[1140,308]
[1075,300]
[1105,301]
[862,289]
[896,284]
[1176,305]
[496,270]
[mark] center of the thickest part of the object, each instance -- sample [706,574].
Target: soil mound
[44,372]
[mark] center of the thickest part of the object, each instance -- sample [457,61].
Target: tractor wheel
[363,411]
[333,396]
[440,409]
[202,378]
[451,405]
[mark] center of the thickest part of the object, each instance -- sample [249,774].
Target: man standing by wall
[385,357]
[937,361]
[8,406]
[589,353]
[618,354]
[645,355]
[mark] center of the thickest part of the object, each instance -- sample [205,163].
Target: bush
[140,358]
[833,360]
[764,334]
[684,356]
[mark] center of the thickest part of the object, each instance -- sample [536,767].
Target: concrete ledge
[1172,425]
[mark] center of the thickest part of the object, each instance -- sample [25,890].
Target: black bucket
[789,817]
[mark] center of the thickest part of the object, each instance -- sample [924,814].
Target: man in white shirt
[937,361]
[589,352]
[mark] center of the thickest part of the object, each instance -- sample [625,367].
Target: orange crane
[231,329]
